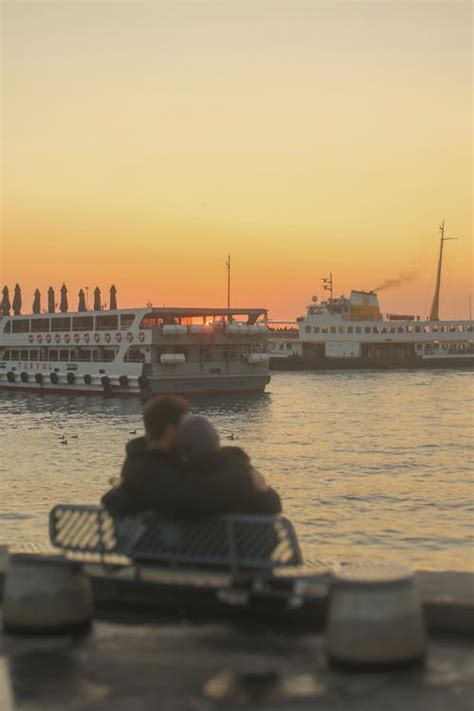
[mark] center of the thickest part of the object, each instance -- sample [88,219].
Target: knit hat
[196,437]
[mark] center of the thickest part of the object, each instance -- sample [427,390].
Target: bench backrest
[234,541]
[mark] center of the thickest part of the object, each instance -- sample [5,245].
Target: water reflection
[368,464]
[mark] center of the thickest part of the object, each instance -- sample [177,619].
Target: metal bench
[235,543]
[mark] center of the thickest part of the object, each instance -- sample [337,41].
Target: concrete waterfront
[142,654]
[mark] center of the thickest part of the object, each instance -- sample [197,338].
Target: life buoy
[141,336]
[11,376]
[87,379]
[87,338]
[30,339]
[67,338]
[24,377]
[48,338]
[77,338]
[70,377]
[105,380]
[107,337]
[39,338]
[129,337]
[118,337]
[96,337]
[39,378]
[54,378]
[57,338]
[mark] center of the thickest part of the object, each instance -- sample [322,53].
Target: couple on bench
[179,468]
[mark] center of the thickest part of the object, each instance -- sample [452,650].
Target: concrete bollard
[46,595]
[375,618]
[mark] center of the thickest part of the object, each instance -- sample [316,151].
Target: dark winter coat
[224,482]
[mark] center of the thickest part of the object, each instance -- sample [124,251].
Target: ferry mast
[434,312]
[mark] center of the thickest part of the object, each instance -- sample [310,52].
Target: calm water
[368,464]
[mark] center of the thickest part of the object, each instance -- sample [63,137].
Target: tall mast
[327,284]
[434,313]
[228,280]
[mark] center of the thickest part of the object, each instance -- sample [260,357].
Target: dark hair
[161,411]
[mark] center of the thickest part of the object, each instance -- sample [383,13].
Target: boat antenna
[227,264]
[327,284]
[434,312]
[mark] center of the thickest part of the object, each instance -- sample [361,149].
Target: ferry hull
[185,387]
[310,363]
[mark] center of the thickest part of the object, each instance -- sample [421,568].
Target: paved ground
[183,667]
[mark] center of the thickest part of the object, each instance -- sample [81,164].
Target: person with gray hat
[223,478]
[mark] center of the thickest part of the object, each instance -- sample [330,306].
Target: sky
[141,142]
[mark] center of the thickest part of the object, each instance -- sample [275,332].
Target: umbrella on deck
[63,306]
[51,301]
[37,302]
[82,301]
[97,301]
[6,301]
[17,300]
[113,297]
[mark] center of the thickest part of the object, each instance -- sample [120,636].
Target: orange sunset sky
[143,141]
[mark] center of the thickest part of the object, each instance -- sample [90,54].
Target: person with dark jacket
[150,473]
[223,478]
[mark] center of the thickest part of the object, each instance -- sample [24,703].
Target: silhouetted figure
[97,301]
[37,302]
[17,300]
[113,297]
[51,301]
[63,306]
[82,301]
[6,301]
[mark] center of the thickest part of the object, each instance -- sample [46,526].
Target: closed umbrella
[17,300]
[63,306]
[82,301]
[6,301]
[51,300]
[97,301]
[113,297]
[37,302]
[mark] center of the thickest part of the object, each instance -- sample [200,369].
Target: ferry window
[64,355]
[401,329]
[316,329]
[452,328]
[426,329]
[126,320]
[21,326]
[350,329]
[358,329]
[6,355]
[8,327]
[103,323]
[307,329]
[324,330]
[150,322]
[375,329]
[85,355]
[52,355]
[367,329]
[24,355]
[108,354]
[33,355]
[435,329]
[417,329]
[393,329]
[39,325]
[461,327]
[333,329]
[409,329]
[341,329]
[384,329]
[82,323]
[134,355]
[15,355]
[61,324]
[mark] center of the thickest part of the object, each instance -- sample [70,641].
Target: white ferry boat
[353,333]
[138,351]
